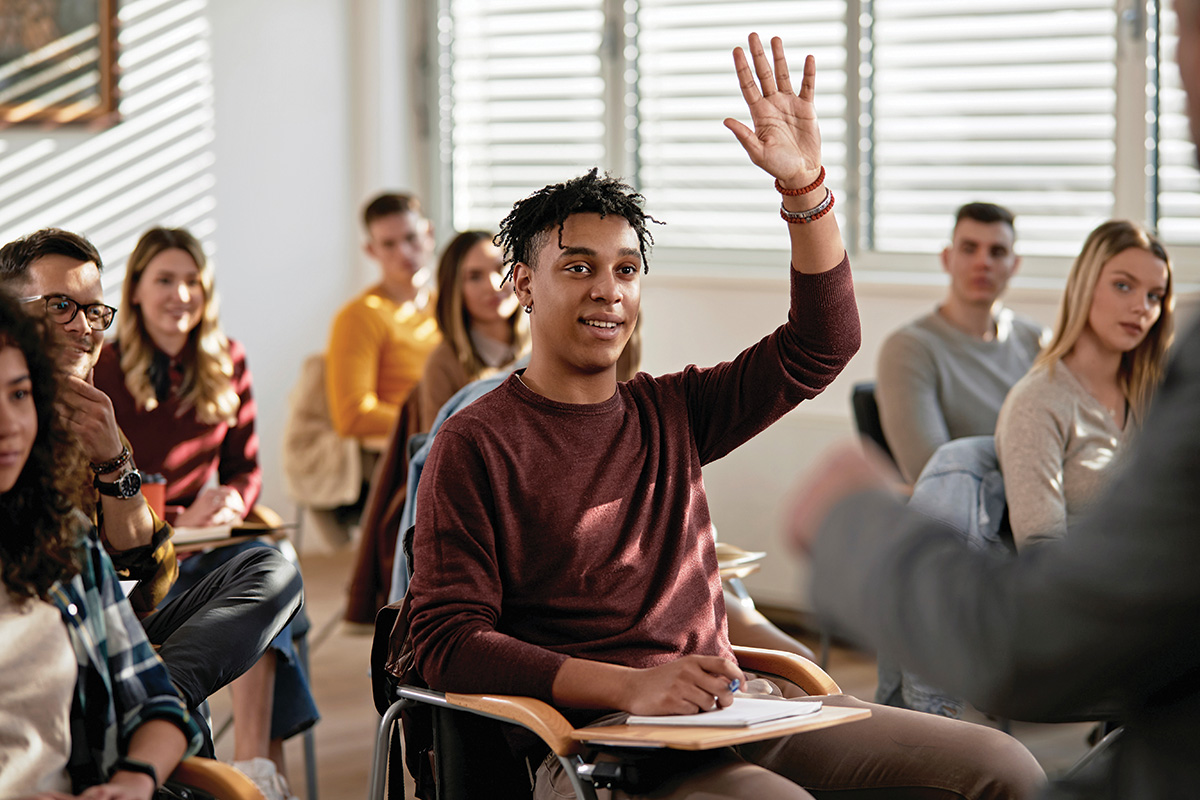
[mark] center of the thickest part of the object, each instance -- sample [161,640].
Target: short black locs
[523,232]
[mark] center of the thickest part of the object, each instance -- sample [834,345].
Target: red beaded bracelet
[812,187]
[812,215]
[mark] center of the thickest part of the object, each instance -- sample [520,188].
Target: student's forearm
[816,246]
[683,686]
[126,523]
[591,684]
[158,743]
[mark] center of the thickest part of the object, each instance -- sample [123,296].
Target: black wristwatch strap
[125,764]
[124,487]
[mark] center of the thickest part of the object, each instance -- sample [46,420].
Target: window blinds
[1011,103]
[527,100]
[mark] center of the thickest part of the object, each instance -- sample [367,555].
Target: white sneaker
[268,780]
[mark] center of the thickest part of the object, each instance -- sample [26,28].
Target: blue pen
[734,685]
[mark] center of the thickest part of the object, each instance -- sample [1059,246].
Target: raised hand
[785,140]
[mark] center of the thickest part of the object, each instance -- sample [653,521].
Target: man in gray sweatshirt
[944,376]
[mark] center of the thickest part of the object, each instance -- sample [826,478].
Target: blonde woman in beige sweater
[1063,425]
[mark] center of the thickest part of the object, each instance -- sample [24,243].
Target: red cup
[156,496]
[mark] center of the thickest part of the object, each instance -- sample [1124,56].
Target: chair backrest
[866,414]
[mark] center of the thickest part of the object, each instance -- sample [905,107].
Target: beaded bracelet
[812,187]
[811,215]
[112,465]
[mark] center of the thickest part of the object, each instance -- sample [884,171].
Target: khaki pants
[895,753]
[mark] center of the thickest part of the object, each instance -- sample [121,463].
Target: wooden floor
[346,733]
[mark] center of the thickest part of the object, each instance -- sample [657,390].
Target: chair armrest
[789,666]
[264,515]
[219,780]
[528,712]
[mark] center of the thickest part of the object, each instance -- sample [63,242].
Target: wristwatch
[133,765]
[124,487]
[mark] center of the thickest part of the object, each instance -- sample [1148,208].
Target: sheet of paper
[743,712]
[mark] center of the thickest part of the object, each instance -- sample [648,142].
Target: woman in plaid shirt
[85,704]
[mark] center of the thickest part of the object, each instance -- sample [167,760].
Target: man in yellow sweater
[381,339]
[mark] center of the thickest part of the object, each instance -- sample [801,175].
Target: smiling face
[18,416]
[585,294]
[78,345]
[980,260]
[170,296]
[1128,300]
[480,275]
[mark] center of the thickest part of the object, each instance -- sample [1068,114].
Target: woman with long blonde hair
[182,393]
[1062,426]
[179,386]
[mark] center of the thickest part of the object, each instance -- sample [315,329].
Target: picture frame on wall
[58,62]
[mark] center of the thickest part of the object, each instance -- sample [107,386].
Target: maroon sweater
[548,530]
[170,440]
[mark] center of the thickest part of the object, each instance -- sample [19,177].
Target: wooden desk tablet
[708,738]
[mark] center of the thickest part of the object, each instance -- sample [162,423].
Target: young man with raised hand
[563,544]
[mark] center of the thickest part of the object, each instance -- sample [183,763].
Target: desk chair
[470,755]
[866,414]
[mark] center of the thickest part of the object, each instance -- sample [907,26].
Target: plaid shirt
[121,682]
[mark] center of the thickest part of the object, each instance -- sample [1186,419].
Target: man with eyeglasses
[215,631]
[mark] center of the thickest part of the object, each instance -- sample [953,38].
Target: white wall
[312,118]
[285,240]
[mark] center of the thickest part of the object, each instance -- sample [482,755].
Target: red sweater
[184,450]
[547,530]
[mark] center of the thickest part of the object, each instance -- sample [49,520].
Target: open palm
[785,140]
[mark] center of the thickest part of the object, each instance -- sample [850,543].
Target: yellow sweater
[377,352]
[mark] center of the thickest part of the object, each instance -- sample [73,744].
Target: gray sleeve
[1106,615]
[1031,443]
[909,408]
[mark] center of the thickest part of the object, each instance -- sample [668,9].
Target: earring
[529,308]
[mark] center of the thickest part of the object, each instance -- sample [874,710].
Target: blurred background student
[483,328]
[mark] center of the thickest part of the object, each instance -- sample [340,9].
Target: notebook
[744,712]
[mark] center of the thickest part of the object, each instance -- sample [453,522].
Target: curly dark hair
[523,232]
[37,543]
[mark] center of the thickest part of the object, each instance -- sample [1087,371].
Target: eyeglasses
[63,309]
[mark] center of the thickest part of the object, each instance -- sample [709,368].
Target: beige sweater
[37,679]
[1057,446]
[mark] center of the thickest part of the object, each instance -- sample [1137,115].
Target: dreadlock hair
[523,232]
[38,545]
